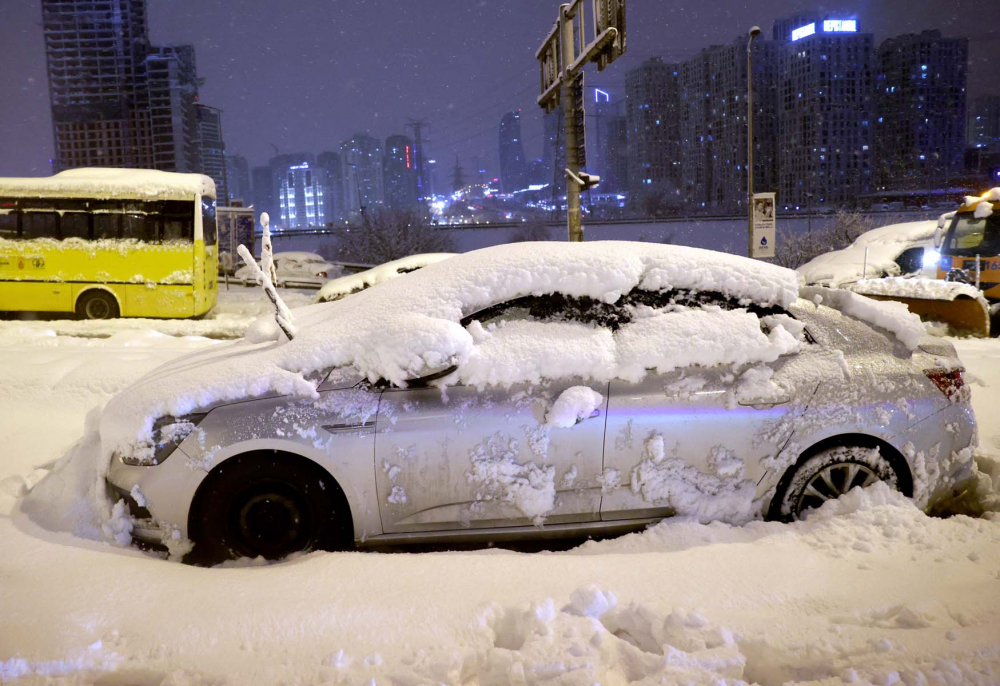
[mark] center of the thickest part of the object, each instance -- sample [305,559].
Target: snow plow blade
[966,315]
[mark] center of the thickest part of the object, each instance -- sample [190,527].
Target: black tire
[97,304]
[267,504]
[826,475]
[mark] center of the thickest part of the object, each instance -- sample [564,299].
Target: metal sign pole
[573,226]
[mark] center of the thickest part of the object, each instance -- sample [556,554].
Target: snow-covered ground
[869,590]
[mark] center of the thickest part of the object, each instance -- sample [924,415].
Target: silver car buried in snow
[364,463]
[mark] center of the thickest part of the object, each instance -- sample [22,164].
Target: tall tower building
[920,105]
[170,100]
[613,148]
[238,178]
[263,192]
[554,151]
[513,164]
[652,103]
[96,58]
[825,112]
[362,158]
[399,173]
[331,166]
[212,148]
[984,122]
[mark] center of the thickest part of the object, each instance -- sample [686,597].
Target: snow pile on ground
[409,327]
[883,245]
[891,316]
[353,283]
[928,289]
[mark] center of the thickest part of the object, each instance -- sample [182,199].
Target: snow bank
[352,283]
[929,289]
[884,245]
[410,327]
[891,316]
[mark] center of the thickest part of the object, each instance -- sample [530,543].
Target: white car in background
[354,283]
[894,250]
[295,270]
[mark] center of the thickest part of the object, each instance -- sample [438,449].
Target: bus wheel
[97,305]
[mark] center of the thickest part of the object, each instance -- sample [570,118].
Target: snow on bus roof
[110,183]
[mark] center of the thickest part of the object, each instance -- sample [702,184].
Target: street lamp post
[754,32]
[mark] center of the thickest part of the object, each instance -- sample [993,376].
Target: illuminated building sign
[840,26]
[803,31]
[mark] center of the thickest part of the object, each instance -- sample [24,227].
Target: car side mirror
[938,234]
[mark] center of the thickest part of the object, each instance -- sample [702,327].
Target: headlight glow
[931,257]
[168,433]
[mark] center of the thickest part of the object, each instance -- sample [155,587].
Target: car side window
[551,308]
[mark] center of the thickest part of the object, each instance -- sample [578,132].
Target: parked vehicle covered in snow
[295,270]
[355,283]
[538,389]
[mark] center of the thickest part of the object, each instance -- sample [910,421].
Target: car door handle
[592,415]
[766,404]
[349,426]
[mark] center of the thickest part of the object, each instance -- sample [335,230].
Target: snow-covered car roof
[352,283]
[108,183]
[884,245]
[300,256]
[412,325]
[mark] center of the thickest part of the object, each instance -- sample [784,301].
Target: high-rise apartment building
[362,159]
[984,122]
[651,109]
[238,178]
[331,166]
[399,173]
[554,151]
[96,58]
[920,111]
[513,163]
[263,192]
[302,197]
[212,148]
[613,148]
[825,112]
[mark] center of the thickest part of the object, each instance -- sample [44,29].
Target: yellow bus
[103,243]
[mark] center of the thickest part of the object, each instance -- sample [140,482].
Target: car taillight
[948,381]
[323,274]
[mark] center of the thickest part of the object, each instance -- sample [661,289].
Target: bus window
[178,221]
[39,225]
[106,225]
[75,225]
[135,226]
[8,225]
[208,222]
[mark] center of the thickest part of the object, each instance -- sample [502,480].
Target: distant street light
[754,32]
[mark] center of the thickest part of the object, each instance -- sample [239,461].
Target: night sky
[302,75]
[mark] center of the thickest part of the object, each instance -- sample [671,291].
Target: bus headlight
[931,257]
[168,433]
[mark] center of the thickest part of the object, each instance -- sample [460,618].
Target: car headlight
[168,433]
[931,257]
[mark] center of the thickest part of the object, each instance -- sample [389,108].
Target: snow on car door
[463,458]
[692,441]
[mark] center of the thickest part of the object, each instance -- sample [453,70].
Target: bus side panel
[206,282]
[35,296]
[159,301]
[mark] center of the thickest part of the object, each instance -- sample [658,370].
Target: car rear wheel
[97,305]
[827,475]
[267,505]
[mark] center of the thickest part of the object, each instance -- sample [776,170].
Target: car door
[695,441]
[468,457]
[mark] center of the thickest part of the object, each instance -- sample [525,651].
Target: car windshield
[970,236]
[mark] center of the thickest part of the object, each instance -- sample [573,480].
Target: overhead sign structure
[562,57]
[763,224]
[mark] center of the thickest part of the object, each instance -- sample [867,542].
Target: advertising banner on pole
[763,225]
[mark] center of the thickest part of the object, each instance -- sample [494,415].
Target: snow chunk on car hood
[410,326]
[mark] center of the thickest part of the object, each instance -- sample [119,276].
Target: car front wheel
[267,505]
[827,475]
